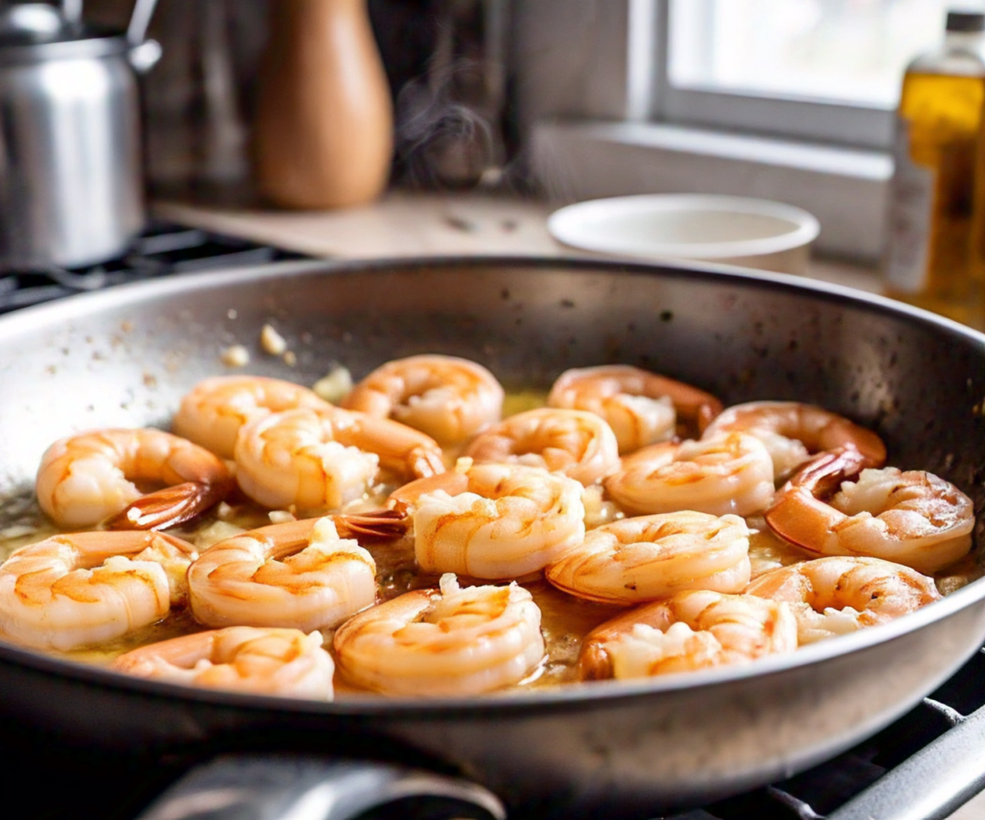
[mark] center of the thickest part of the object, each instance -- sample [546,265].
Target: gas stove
[923,766]
[163,249]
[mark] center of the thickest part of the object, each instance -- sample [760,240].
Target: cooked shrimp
[692,630]
[493,521]
[642,559]
[87,588]
[574,443]
[323,459]
[912,518]
[792,432]
[299,574]
[449,398]
[450,641]
[641,407]
[214,411]
[728,474]
[283,662]
[84,479]
[834,596]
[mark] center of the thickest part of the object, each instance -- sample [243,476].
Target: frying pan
[124,357]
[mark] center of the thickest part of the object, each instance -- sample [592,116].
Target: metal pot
[71,188]
[125,356]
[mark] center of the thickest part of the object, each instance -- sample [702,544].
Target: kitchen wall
[585,101]
[451,122]
[515,95]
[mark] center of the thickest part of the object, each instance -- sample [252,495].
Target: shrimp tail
[170,506]
[594,663]
[378,524]
[816,481]
[707,412]
[823,474]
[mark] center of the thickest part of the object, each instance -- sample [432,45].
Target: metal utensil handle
[143,10]
[931,784]
[274,787]
[72,11]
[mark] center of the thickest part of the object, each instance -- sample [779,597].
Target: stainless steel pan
[124,357]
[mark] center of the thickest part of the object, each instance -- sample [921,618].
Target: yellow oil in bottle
[929,260]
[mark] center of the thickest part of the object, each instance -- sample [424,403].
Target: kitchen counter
[426,224]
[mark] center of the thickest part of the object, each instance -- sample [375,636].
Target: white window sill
[844,188]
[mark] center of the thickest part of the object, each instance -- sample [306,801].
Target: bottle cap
[965,21]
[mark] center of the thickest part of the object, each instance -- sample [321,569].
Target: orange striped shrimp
[642,559]
[215,410]
[448,398]
[692,630]
[574,443]
[316,460]
[838,595]
[834,507]
[727,474]
[641,407]
[306,575]
[449,641]
[283,662]
[87,588]
[493,521]
[93,478]
[793,432]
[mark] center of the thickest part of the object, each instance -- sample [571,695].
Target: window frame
[814,120]
[587,95]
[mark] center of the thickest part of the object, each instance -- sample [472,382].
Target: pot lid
[31,31]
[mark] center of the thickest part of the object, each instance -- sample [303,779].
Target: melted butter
[565,621]
[519,401]
[767,551]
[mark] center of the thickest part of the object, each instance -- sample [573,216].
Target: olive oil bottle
[929,259]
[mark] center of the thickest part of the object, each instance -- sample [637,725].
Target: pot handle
[143,10]
[277,787]
[144,53]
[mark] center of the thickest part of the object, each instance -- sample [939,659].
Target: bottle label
[911,202]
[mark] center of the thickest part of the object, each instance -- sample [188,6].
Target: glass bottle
[928,260]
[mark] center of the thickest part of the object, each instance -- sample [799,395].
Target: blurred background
[472,80]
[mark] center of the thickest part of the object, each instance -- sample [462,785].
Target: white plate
[754,233]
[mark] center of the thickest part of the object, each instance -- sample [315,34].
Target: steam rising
[443,140]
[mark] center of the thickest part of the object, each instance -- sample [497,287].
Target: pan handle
[932,783]
[277,787]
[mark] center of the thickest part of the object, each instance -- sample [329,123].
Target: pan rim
[131,292]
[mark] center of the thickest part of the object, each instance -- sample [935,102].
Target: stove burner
[163,249]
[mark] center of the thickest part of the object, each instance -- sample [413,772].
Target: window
[791,100]
[824,70]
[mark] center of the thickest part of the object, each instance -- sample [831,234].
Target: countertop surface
[418,224]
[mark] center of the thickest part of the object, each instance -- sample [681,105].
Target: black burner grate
[163,249]
[932,732]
